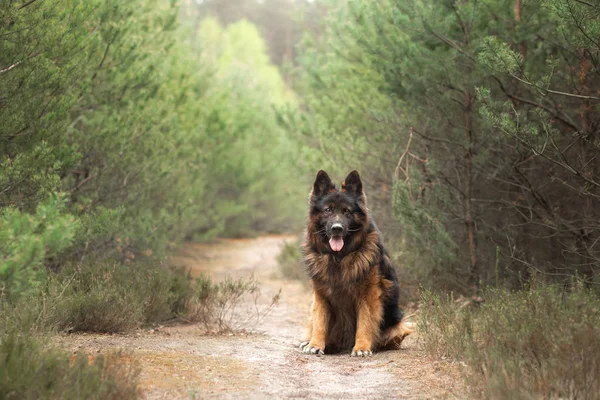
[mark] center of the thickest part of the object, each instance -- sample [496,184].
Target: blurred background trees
[147,131]
[474,123]
[282,23]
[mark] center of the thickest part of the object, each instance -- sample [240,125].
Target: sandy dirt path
[183,362]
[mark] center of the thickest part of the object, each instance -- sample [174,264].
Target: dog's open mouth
[336,243]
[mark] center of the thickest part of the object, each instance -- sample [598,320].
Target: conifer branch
[3,70]
[22,6]
[579,96]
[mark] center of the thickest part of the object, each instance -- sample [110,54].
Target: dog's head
[337,216]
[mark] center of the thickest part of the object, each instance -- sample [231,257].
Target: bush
[105,296]
[543,342]
[30,370]
[290,262]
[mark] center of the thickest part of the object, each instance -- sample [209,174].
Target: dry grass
[539,343]
[229,305]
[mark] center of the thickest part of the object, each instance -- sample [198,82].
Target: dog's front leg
[370,313]
[320,318]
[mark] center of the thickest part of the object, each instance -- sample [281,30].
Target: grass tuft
[32,370]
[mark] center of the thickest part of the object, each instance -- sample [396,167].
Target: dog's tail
[394,336]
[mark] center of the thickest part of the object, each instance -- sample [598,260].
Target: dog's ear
[352,184]
[323,185]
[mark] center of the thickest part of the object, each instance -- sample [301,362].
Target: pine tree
[481,115]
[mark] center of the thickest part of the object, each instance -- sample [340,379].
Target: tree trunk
[468,211]
[587,108]
[517,10]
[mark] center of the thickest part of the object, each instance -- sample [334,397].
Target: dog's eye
[328,210]
[347,211]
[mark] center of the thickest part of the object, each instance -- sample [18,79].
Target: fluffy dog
[356,291]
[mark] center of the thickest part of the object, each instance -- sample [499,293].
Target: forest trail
[183,362]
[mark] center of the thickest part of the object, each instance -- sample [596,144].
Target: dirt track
[182,362]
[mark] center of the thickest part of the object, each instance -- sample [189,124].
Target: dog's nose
[337,229]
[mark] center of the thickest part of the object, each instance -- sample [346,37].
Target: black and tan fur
[355,304]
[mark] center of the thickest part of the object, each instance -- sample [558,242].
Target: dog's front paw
[361,352]
[304,343]
[310,348]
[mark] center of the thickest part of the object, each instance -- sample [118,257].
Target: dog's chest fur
[342,282]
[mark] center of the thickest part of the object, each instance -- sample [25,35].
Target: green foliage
[481,116]
[423,228]
[30,369]
[152,133]
[27,240]
[251,158]
[498,56]
[541,342]
[105,296]
[41,63]
[142,135]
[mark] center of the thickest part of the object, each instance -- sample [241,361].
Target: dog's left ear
[353,185]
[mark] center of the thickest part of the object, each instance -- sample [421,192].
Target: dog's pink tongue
[336,243]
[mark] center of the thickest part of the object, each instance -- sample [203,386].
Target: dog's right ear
[323,185]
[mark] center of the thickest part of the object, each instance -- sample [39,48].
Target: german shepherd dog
[355,303]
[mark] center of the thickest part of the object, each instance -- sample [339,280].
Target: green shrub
[105,308]
[290,262]
[104,296]
[31,370]
[27,240]
[543,342]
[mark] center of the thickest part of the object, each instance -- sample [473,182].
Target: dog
[355,288]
